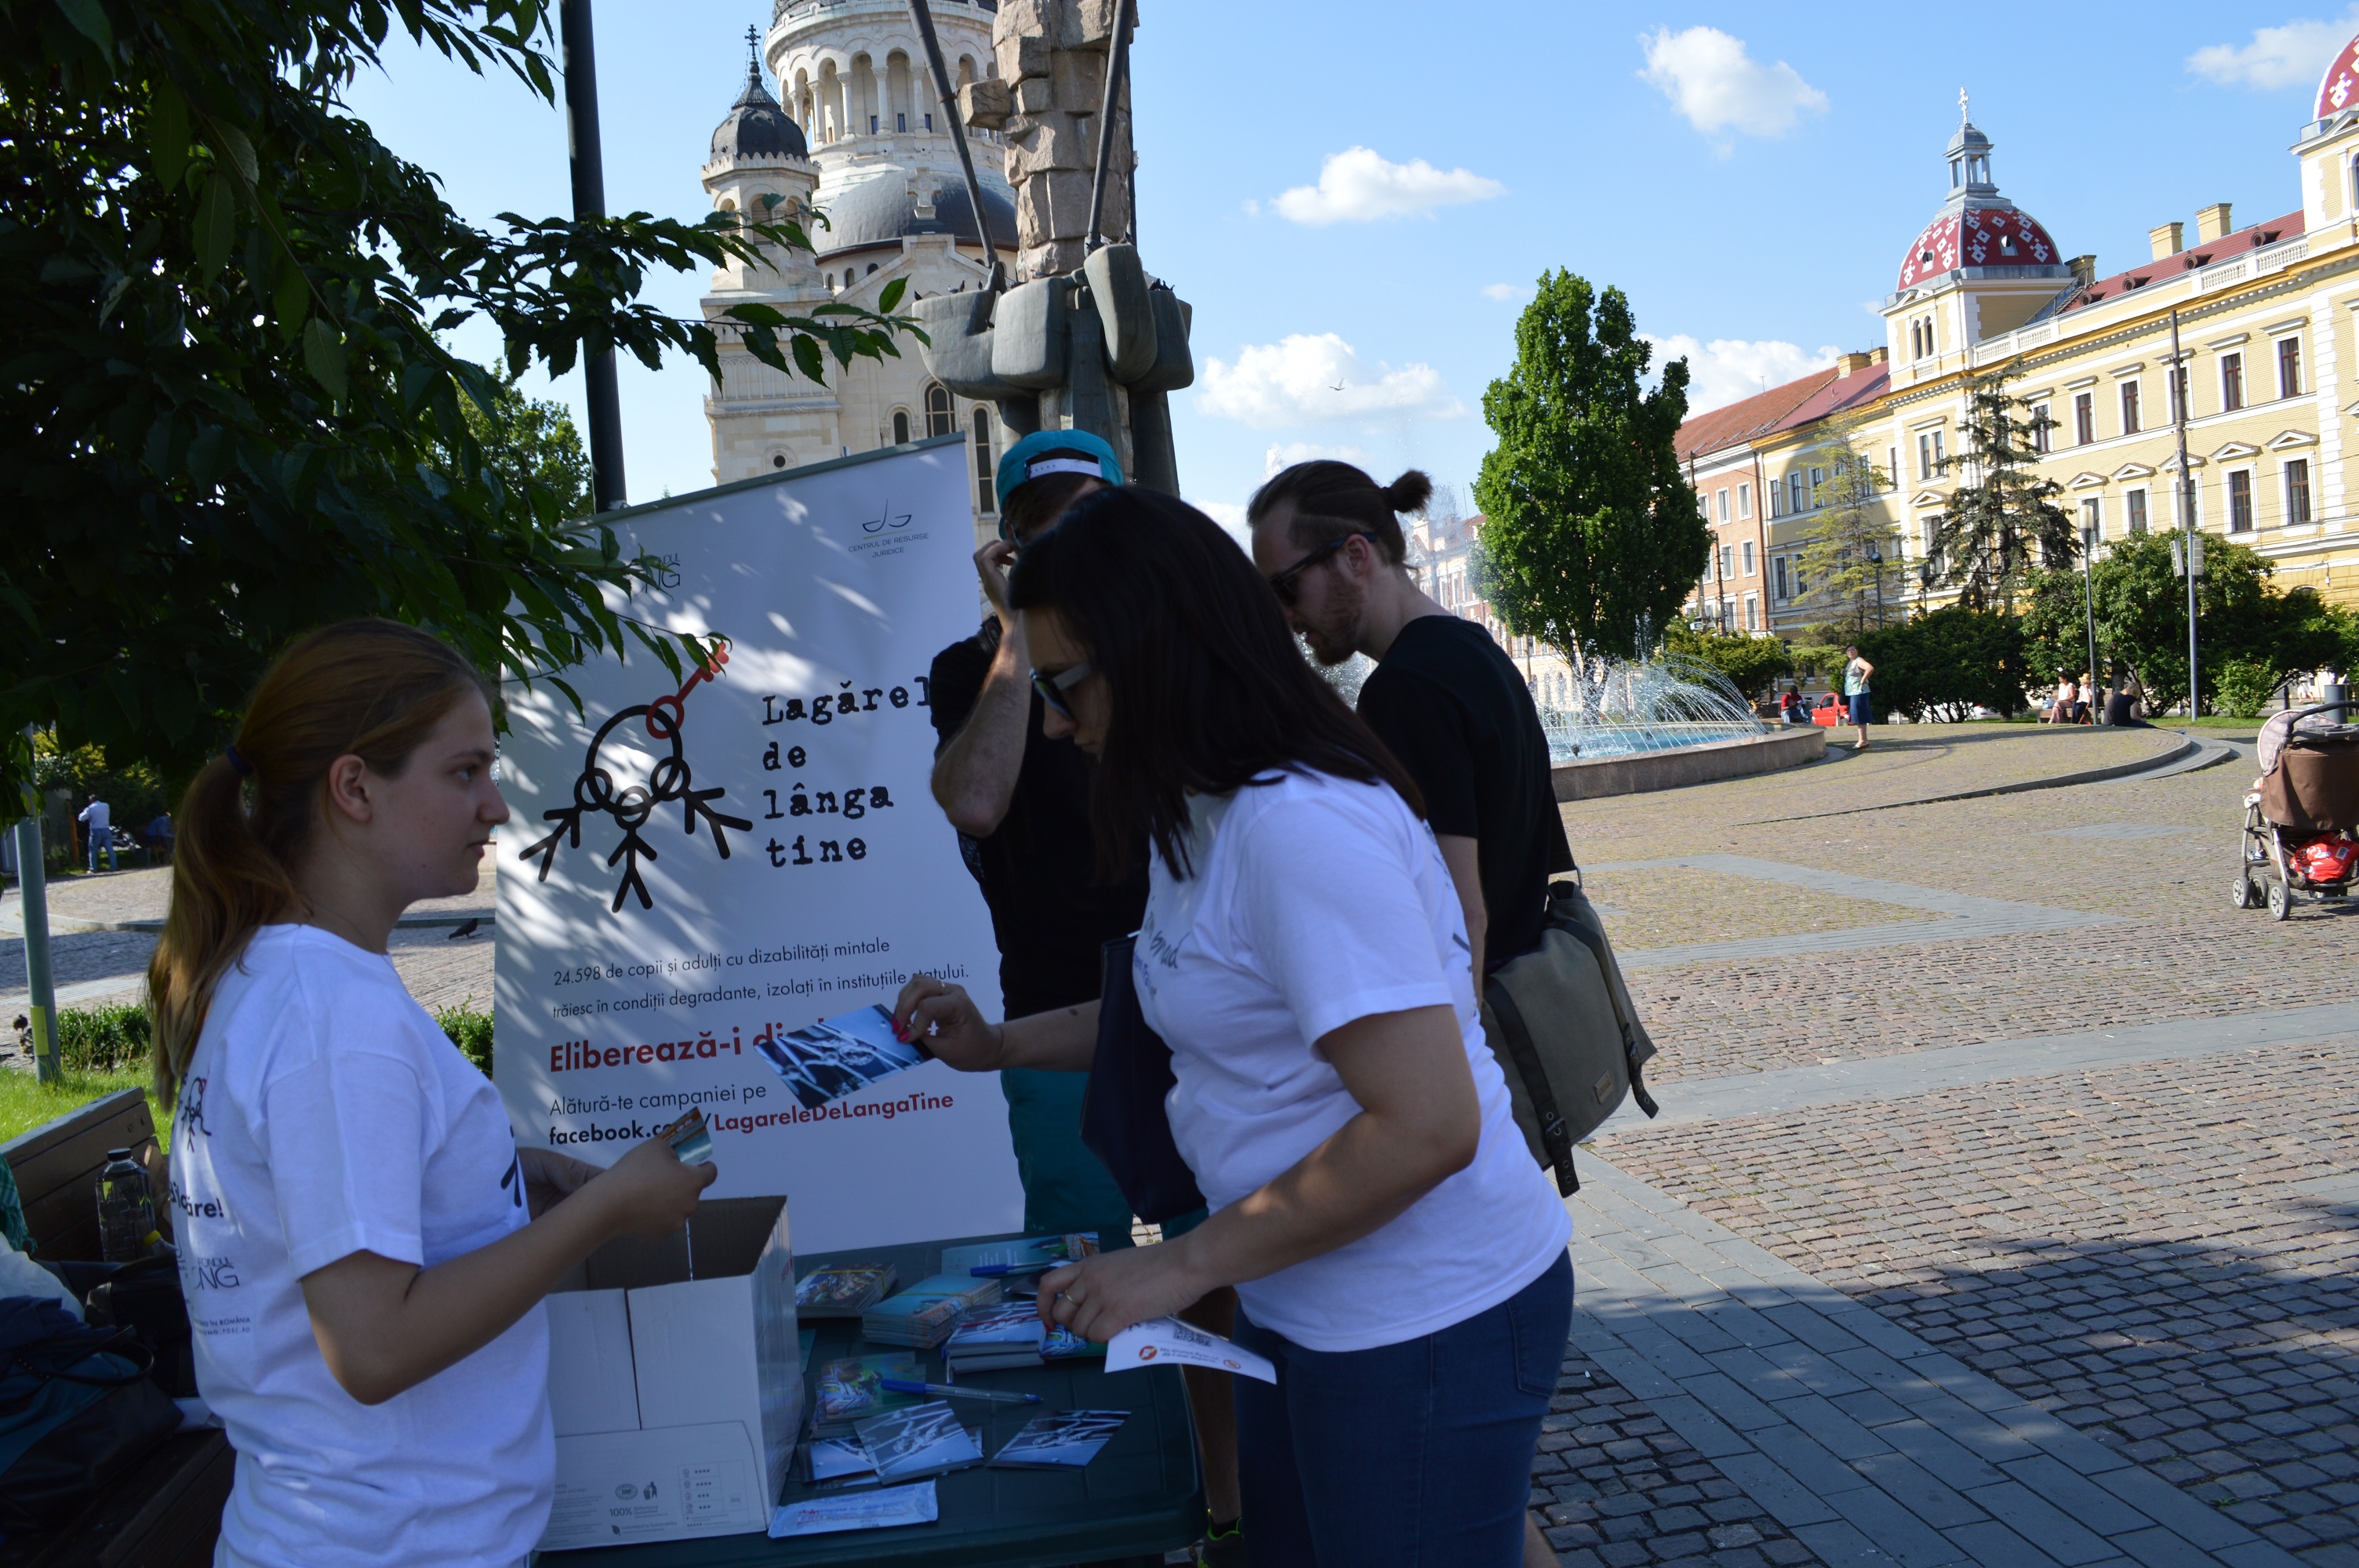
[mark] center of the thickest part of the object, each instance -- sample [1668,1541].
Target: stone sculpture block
[986,105]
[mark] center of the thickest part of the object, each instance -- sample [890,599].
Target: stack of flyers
[1063,1439]
[923,1441]
[853,1388]
[990,1338]
[689,1137]
[838,1056]
[924,1315]
[834,1458]
[1061,1344]
[1025,1259]
[845,1290]
[856,1510]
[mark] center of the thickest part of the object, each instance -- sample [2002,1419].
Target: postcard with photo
[835,1057]
[923,1441]
[854,1388]
[1064,1439]
[832,1458]
[1025,1254]
[846,1290]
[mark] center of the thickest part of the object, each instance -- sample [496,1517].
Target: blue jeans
[1409,1456]
[101,838]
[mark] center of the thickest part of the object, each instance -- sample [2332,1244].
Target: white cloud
[1358,186]
[1710,77]
[1307,380]
[1727,369]
[1292,452]
[1505,290]
[1230,516]
[2295,55]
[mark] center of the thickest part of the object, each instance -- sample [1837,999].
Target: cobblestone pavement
[1981,1245]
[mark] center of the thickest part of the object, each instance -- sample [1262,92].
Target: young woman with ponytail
[363,1248]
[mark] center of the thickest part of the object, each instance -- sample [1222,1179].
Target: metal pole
[33,913]
[2088,608]
[1118,67]
[2186,510]
[948,95]
[607,488]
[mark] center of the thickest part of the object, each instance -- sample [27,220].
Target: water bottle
[126,1210]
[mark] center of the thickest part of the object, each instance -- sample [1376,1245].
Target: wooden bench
[166,1511]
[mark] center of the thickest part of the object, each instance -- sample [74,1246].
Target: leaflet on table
[1063,1439]
[834,1458]
[845,1290]
[856,1510]
[1161,1339]
[852,1388]
[837,1056]
[924,1441]
[1027,1254]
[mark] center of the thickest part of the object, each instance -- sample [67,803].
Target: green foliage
[2245,686]
[227,413]
[1750,664]
[471,1032]
[1593,537]
[1816,658]
[104,1038]
[2141,610]
[531,441]
[1943,664]
[25,1102]
[2003,519]
[1851,551]
[134,793]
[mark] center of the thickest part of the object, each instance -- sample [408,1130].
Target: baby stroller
[2299,818]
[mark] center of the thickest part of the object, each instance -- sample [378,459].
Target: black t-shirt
[1049,912]
[1449,703]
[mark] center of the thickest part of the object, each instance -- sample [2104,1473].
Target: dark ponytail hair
[1210,694]
[375,689]
[1333,499]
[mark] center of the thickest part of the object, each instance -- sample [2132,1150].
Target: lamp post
[2186,510]
[2089,600]
[1875,559]
[589,167]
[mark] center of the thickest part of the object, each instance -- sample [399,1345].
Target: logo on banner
[664,721]
[885,520]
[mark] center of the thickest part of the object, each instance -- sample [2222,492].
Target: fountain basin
[1639,771]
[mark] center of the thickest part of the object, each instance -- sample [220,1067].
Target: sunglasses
[1287,584]
[1052,688]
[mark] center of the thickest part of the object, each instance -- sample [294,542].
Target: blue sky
[1361,195]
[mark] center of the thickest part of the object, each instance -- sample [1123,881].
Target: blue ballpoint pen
[947,1391]
[998,1270]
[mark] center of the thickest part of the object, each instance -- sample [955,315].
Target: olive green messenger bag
[1559,1020]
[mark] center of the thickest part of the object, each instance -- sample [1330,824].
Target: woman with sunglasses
[1397,1254]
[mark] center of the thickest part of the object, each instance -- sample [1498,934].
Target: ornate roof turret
[1977,228]
[756,125]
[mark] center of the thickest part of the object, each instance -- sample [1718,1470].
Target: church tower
[859,135]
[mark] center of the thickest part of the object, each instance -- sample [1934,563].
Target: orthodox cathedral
[862,137]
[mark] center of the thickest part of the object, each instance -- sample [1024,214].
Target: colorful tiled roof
[1754,416]
[1976,236]
[2201,253]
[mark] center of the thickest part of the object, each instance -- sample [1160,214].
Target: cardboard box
[675,1376]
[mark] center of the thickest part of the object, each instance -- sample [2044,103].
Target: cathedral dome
[756,126]
[2339,89]
[1977,227]
[879,212]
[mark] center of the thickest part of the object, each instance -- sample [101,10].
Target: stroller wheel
[2280,900]
[2243,896]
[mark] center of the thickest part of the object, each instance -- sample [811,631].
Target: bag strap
[1610,973]
[1554,1135]
[46,1361]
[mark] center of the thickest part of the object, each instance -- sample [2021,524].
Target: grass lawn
[25,1104]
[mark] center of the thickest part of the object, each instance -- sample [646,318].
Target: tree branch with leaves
[2002,520]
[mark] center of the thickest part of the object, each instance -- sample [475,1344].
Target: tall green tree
[2003,519]
[226,412]
[1592,537]
[1851,551]
[528,441]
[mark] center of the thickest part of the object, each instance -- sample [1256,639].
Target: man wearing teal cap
[1021,804]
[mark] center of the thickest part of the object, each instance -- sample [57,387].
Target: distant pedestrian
[98,828]
[159,838]
[1856,671]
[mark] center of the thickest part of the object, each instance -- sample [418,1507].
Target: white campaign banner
[695,870]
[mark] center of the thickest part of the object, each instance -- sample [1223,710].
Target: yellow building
[2264,317]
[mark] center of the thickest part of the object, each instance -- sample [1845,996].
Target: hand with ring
[1099,1297]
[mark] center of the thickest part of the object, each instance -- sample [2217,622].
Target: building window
[1745,502]
[2232,383]
[2084,419]
[2040,424]
[872,124]
[2093,521]
[1818,478]
[1794,502]
[2297,489]
[1728,560]
[1891,475]
[986,500]
[1777,578]
[1777,498]
[1723,505]
[1752,612]
[2134,511]
[1704,506]
[1800,587]
[1927,453]
[2129,408]
[940,418]
[900,428]
[2290,367]
[2240,502]
[1749,558]
[900,122]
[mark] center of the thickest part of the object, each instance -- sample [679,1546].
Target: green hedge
[116,1039]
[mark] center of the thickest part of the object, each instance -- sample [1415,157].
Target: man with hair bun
[1444,698]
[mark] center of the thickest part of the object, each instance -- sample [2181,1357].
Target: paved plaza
[2005,1200]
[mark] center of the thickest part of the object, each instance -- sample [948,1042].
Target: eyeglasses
[1052,688]
[1287,584]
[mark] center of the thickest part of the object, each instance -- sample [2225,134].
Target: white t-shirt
[325,1114]
[1316,901]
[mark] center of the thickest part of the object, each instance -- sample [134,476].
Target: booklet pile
[847,1290]
[924,1315]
